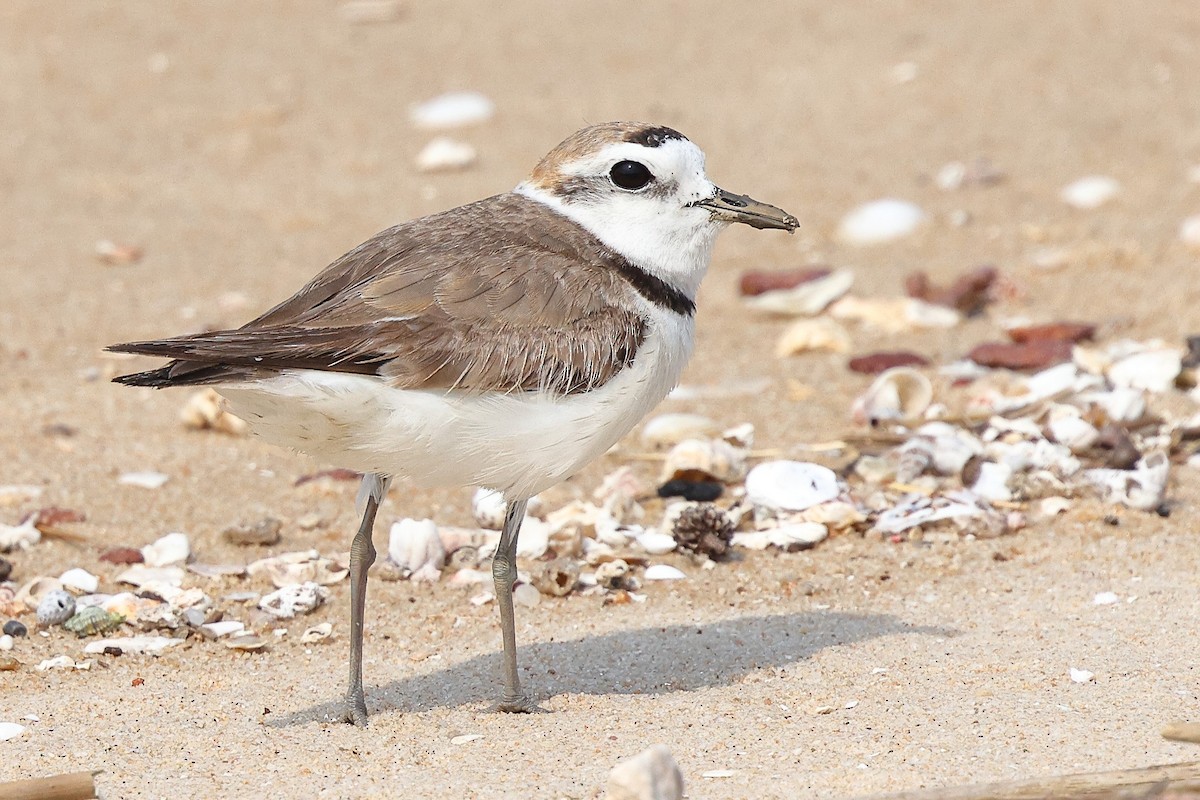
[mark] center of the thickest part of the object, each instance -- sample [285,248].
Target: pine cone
[705,529]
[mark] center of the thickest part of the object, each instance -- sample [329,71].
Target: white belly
[518,444]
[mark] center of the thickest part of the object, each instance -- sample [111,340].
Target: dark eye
[630,175]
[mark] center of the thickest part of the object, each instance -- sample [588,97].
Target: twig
[71,786]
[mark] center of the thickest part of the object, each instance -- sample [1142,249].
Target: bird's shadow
[651,660]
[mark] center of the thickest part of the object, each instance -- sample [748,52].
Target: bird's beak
[729,207]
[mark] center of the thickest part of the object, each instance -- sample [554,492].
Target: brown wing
[499,295]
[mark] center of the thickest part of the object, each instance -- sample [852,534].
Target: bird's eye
[630,175]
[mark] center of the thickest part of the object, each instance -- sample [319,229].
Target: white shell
[6,642]
[63,662]
[740,435]
[836,514]
[453,110]
[807,299]
[1090,192]
[807,335]
[289,601]
[899,393]
[1067,427]
[526,595]
[880,221]
[802,534]
[1119,405]
[1143,487]
[21,536]
[663,572]
[10,730]
[712,459]
[1154,370]
[317,633]
[919,510]
[1080,675]
[415,545]
[650,775]
[656,543]
[666,430]
[140,575]
[146,479]
[205,410]
[80,579]
[895,314]
[170,549]
[226,627]
[791,485]
[443,153]
[1053,506]
[289,569]
[134,645]
[993,482]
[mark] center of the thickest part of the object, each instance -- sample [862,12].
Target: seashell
[556,578]
[666,430]
[895,314]
[289,601]
[526,595]
[216,630]
[453,110]
[289,569]
[836,514]
[206,410]
[808,335]
[951,448]
[247,642]
[741,436]
[794,536]
[613,574]
[704,460]
[655,543]
[443,154]
[217,570]
[1189,231]
[1067,426]
[263,533]
[1119,405]
[6,642]
[93,620]
[807,299]
[21,536]
[145,480]
[790,485]
[80,580]
[914,511]
[134,645]
[140,576]
[969,293]
[880,221]
[1053,506]
[317,633]
[664,572]
[652,774]
[897,394]
[875,363]
[1153,370]
[55,608]
[10,730]
[618,494]
[29,595]
[1090,192]
[170,549]
[122,555]
[1029,355]
[875,469]
[756,281]
[992,483]
[1053,331]
[1142,488]
[414,545]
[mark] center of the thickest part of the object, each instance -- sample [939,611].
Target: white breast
[519,444]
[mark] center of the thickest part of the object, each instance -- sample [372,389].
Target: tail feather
[184,373]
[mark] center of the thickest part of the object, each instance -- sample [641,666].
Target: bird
[504,344]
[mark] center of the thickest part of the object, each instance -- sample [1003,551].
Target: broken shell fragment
[875,363]
[756,281]
[443,154]
[263,533]
[613,574]
[704,460]
[655,543]
[1090,192]
[23,536]
[144,480]
[317,633]
[1153,370]
[808,335]
[806,299]
[895,314]
[652,773]
[453,110]
[134,645]
[414,545]
[880,221]
[289,601]
[1142,488]
[170,549]
[217,630]
[288,569]
[55,608]
[80,580]
[557,577]
[901,393]
[791,485]
[247,642]
[206,410]
[666,430]
[664,572]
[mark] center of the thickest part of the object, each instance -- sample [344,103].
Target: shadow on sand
[651,660]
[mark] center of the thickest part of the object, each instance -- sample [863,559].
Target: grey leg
[362,556]
[504,573]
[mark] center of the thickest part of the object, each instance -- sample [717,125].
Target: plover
[505,343]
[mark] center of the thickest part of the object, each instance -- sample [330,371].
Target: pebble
[1090,192]
[9,664]
[55,608]
[698,491]
[880,221]
[14,627]
[453,110]
[652,774]
[790,485]
[664,572]
[969,293]
[444,154]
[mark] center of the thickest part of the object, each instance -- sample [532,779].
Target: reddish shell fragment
[969,294]
[1053,332]
[874,363]
[53,516]
[122,555]
[757,281]
[1029,355]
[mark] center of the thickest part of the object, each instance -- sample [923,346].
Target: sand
[245,145]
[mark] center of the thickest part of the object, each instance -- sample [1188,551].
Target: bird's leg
[362,555]
[504,573]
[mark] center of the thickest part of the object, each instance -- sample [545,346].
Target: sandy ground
[244,145]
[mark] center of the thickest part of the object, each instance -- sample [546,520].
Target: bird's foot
[355,712]
[517,705]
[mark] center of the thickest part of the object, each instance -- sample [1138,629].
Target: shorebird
[505,343]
